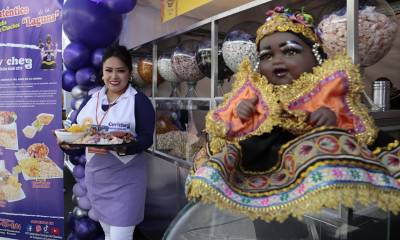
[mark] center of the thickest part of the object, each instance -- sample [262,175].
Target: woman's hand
[323,116]
[246,108]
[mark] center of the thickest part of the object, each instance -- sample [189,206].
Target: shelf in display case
[172,159]
[169,104]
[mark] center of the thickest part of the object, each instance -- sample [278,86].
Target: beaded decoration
[283,19]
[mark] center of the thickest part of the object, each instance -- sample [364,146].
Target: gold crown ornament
[283,19]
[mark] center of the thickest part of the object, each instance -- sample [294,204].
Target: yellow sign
[173,8]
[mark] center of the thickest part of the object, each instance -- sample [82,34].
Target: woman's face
[284,57]
[115,75]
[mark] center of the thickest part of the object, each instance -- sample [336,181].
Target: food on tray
[77,128]
[29,131]
[10,188]
[7,117]
[35,163]
[68,137]
[45,118]
[106,138]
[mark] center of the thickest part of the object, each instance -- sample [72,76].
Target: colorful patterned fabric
[323,168]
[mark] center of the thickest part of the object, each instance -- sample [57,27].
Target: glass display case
[197,75]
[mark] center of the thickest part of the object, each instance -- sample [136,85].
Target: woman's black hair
[119,51]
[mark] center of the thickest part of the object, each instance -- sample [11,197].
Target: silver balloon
[78,103]
[75,199]
[79,213]
[77,92]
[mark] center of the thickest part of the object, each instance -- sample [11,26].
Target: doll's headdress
[283,19]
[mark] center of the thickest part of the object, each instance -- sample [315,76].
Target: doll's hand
[246,108]
[323,117]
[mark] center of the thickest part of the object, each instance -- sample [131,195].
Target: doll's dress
[307,169]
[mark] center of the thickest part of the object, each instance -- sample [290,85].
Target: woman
[295,138]
[116,179]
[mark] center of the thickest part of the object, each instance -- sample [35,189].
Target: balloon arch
[90,25]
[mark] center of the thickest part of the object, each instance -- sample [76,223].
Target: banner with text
[31,176]
[173,8]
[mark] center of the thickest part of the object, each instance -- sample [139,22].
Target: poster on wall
[31,176]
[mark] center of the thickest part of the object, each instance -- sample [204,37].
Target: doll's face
[115,75]
[284,57]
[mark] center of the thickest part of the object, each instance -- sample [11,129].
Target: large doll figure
[294,137]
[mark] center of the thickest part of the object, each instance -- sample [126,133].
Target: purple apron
[117,191]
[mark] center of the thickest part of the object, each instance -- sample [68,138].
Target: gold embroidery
[325,197]
[279,22]
[308,81]
[217,130]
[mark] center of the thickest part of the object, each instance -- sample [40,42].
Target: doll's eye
[265,55]
[291,51]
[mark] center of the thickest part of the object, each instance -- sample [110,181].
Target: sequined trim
[324,168]
[219,131]
[308,84]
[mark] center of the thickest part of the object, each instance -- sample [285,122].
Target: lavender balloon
[82,184]
[72,115]
[93,215]
[120,6]
[76,55]
[78,172]
[97,57]
[68,80]
[84,203]
[78,190]
[92,24]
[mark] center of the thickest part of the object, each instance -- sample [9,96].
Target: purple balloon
[78,190]
[68,80]
[83,184]
[100,237]
[120,6]
[78,172]
[84,203]
[92,24]
[93,215]
[82,160]
[76,55]
[97,57]
[86,228]
[71,220]
[72,236]
[74,159]
[86,77]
